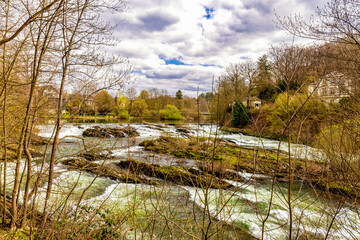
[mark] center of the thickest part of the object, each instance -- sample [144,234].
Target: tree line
[148,104]
[280,79]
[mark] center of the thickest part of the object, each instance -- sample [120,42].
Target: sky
[181,44]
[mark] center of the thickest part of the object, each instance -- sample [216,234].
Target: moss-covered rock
[106,171]
[183,130]
[216,158]
[12,152]
[177,175]
[38,140]
[110,132]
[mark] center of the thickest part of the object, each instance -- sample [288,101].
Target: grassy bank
[218,157]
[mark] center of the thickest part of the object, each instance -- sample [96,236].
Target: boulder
[176,175]
[110,132]
[102,170]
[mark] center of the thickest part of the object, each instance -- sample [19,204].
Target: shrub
[151,114]
[123,114]
[170,112]
[309,110]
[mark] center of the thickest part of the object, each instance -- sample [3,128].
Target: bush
[239,115]
[151,114]
[170,112]
[124,114]
[312,110]
[191,114]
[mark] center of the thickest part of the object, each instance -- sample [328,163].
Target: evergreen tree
[179,95]
[265,88]
[239,115]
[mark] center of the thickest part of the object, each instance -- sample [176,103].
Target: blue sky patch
[209,13]
[172,61]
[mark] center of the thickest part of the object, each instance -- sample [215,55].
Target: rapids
[244,208]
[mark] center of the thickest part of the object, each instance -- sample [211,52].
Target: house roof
[253,98]
[330,77]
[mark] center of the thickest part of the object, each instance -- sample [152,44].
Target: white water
[243,208]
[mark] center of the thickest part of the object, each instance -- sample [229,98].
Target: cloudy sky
[181,44]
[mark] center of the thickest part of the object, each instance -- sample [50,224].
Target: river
[181,205]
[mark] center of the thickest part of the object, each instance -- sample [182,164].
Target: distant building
[254,102]
[331,88]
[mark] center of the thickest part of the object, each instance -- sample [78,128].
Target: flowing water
[246,208]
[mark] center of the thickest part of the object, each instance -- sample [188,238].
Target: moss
[187,154]
[18,234]
[178,175]
[110,132]
[263,206]
[338,187]
[147,143]
[231,156]
[243,225]
[106,171]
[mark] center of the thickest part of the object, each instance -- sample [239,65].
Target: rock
[110,132]
[183,130]
[12,153]
[106,171]
[177,175]
[38,140]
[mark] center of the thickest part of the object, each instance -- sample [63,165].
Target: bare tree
[38,12]
[49,43]
[236,78]
[131,93]
[338,23]
[249,72]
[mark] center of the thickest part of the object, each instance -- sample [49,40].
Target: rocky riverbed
[176,175]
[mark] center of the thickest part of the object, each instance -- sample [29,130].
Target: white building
[331,88]
[254,102]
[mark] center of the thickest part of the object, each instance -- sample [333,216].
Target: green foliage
[341,138]
[283,85]
[239,115]
[151,114]
[305,109]
[170,112]
[123,114]
[122,103]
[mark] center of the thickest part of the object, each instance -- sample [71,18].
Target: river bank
[220,157]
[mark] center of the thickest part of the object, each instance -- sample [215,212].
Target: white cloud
[178,29]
